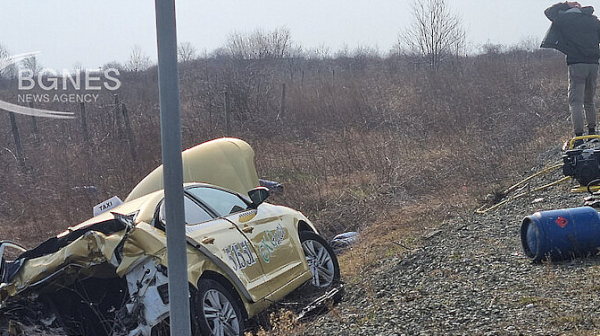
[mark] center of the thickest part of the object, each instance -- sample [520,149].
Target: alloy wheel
[220,314]
[320,263]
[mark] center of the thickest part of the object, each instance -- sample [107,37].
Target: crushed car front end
[109,275]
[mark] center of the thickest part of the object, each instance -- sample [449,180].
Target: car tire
[216,311]
[321,259]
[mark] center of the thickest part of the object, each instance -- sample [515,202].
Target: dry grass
[373,145]
[281,322]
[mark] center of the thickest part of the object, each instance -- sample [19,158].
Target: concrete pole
[170,126]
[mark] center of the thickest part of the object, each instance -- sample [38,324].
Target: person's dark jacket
[576,34]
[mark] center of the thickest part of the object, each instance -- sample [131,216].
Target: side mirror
[258,195]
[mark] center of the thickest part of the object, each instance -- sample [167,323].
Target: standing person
[576,33]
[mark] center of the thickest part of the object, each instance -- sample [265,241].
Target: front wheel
[217,312]
[321,259]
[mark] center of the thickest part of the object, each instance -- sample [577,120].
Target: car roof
[145,206]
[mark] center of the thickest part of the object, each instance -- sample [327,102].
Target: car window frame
[158,223]
[241,197]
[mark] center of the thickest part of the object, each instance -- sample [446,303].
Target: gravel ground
[472,278]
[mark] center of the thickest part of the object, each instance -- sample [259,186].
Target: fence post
[210,106]
[117,117]
[129,132]
[282,104]
[18,146]
[227,119]
[86,138]
[34,121]
[84,129]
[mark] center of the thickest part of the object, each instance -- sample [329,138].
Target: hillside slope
[472,278]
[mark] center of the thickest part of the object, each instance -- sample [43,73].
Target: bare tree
[113,65]
[31,63]
[4,53]
[435,32]
[260,44]
[138,61]
[4,56]
[320,52]
[186,52]
[343,52]
[365,51]
[528,43]
[490,48]
[6,70]
[78,67]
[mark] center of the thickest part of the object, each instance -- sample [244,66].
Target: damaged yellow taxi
[108,275]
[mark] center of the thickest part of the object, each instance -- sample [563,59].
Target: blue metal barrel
[561,234]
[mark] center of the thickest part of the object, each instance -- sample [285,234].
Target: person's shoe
[592,131]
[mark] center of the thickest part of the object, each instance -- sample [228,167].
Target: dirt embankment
[472,278]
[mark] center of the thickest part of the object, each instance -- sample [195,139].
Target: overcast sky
[93,33]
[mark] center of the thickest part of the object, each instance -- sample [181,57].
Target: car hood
[225,162]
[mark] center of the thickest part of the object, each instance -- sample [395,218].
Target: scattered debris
[402,245]
[322,303]
[273,186]
[537,200]
[93,190]
[344,240]
[431,234]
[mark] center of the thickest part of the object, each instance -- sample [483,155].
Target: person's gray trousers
[582,88]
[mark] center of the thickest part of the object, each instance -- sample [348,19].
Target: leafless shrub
[320,52]
[113,65]
[260,44]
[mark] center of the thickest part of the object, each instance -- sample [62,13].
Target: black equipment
[582,164]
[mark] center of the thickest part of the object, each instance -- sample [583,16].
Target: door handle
[248,229]
[208,240]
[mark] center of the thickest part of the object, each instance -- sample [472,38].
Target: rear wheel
[217,312]
[321,259]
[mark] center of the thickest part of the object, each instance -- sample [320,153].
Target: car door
[264,228]
[223,240]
